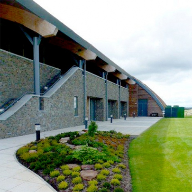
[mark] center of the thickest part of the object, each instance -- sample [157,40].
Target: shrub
[115,182]
[107,165]
[116,170]
[78,187]
[118,176]
[92,188]
[63,185]
[54,173]
[107,185]
[122,166]
[118,190]
[77,180]
[22,150]
[105,172]
[78,168]
[67,172]
[29,157]
[103,190]
[111,162]
[101,177]
[93,182]
[60,178]
[65,167]
[98,166]
[92,128]
[75,174]
[88,155]
[100,161]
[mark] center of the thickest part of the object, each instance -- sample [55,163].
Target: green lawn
[161,158]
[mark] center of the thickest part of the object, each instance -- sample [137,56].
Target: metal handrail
[19,98]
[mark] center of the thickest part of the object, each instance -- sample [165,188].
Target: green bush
[101,177]
[23,150]
[92,182]
[75,174]
[63,185]
[105,172]
[60,178]
[122,166]
[103,190]
[54,173]
[116,170]
[67,172]
[65,167]
[78,168]
[107,165]
[78,187]
[115,182]
[118,176]
[118,190]
[107,185]
[98,166]
[29,157]
[111,162]
[100,161]
[92,188]
[92,128]
[77,180]
[88,155]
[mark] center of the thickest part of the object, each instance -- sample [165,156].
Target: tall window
[76,106]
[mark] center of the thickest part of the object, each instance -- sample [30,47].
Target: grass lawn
[161,158]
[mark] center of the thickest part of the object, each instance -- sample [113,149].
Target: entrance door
[92,109]
[142,107]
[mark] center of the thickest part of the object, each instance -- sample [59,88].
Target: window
[76,105]
[41,103]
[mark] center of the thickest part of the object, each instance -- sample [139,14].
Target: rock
[88,174]
[81,132]
[71,146]
[71,166]
[64,140]
[32,151]
[78,147]
[87,167]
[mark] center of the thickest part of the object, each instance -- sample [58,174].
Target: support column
[106,96]
[85,92]
[36,65]
[119,83]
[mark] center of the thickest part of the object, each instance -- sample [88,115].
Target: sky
[151,39]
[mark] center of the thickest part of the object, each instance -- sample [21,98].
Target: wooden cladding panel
[28,19]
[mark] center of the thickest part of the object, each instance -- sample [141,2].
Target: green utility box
[174,112]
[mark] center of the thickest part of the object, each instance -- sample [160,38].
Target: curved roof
[40,12]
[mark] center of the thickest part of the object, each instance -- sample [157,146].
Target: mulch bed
[125,182]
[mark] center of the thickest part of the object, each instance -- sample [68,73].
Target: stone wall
[16,75]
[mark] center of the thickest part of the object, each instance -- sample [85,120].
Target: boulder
[32,151]
[87,167]
[71,146]
[88,174]
[71,166]
[64,140]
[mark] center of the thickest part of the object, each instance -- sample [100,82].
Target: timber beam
[73,47]
[120,76]
[130,81]
[29,20]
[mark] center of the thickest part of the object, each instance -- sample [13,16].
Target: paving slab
[14,177]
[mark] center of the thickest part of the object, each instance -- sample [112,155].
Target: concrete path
[16,178]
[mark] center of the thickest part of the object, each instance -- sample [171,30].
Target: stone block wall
[16,75]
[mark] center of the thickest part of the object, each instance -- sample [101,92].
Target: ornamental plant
[78,187]
[98,166]
[63,185]
[77,180]
[93,182]
[92,188]
[54,173]
[107,165]
[75,174]
[67,172]
[122,166]
[77,168]
[101,177]
[107,185]
[60,178]
[115,182]
[116,170]
[105,172]
[118,176]
[118,190]
[65,167]
[92,128]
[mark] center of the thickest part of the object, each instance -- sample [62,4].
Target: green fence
[174,112]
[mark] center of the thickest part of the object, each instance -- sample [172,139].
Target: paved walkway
[16,178]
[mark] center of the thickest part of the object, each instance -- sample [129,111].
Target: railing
[44,90]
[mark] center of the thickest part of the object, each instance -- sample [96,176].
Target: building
[50,75]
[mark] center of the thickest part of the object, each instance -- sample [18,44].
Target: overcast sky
[150,39]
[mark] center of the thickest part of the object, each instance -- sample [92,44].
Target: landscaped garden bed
[81,161]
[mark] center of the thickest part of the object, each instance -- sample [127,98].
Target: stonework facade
[16,75]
